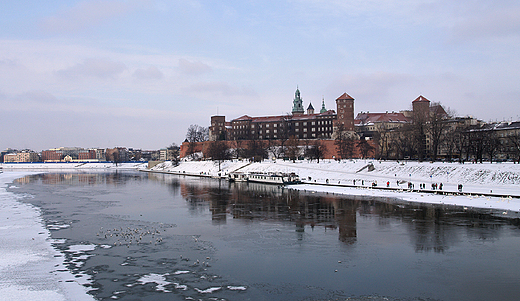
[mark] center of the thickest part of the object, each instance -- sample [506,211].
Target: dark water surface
[140,236]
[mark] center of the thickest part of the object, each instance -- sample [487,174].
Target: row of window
[320,122]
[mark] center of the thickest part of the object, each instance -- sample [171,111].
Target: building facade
[24,156]
[299,124]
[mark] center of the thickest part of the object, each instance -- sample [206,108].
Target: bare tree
[515,142]
[436,128]
[344,143]
[285,131]
[293,148]
[316,150]
[491,144]
[364,147]
[195,133]
[256,150]
[218,151]
[173,152]
[381,137]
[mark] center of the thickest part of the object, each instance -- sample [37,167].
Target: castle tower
[297,103]
[217,130]
[345,115]
[310,109]
[421,109]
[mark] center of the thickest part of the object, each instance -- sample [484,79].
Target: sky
[137,73]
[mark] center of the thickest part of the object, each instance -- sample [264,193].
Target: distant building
[367,123]
[69,154]
[23,156]
[298,124]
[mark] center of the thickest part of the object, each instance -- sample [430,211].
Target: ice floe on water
[181,272]
[208,290]
[236,288]
[30,268]
[158,279]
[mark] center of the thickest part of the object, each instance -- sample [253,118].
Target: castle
[310,125]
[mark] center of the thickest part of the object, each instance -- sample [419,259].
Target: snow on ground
[74,165]
[30,268]
[500,179]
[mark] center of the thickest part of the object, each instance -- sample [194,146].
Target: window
[305,124]
[313,123]
[267,125]
[313,129]
[275,125]
[305,130]
[296,124]
[297,130]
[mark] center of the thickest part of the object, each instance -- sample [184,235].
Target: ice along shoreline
[30,268]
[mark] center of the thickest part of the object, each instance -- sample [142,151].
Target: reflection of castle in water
[430,226]
[256,201]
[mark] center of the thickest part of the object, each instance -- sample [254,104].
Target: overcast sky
[138,73]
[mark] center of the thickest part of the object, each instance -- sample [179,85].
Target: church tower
[297,103]
[323,110]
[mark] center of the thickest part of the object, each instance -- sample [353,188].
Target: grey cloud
[99,68]
[501,22]
[151,72]
[193,68]
[376,87]
[218,88]
[37,97]
[85,14]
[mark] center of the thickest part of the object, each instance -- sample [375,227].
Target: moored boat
[238,177]
[274,178]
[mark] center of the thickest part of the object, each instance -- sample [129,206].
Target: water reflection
[429,227]
[115,178]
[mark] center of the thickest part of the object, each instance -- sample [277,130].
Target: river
[144,236]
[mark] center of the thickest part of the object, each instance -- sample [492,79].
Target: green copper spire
[323,110]
[297,103]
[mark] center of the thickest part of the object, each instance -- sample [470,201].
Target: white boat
[274,178]
[238,177]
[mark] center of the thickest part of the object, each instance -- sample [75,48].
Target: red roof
[245,117]
[365,118]
[345,96]
[282,117]
[421,99]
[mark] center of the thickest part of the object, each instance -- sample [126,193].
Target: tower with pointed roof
[323,110]
[310,109]
[297,103]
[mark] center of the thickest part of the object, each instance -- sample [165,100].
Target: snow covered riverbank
[501,179]
[30,268]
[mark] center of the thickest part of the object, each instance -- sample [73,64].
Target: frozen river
[140,236]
